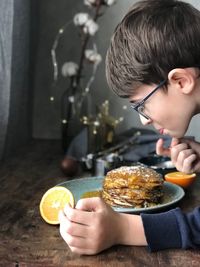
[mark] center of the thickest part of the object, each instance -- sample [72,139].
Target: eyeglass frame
[136,106]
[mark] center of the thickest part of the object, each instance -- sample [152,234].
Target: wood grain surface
[27,241]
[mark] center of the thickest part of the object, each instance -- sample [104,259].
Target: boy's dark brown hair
[154,37]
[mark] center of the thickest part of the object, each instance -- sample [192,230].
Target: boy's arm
[159,231]
[172,229]
[132,230]
[94,226]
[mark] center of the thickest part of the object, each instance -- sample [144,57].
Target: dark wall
[53,15]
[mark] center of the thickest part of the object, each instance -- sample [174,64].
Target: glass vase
[70,115]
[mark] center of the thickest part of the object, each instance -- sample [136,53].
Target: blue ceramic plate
[172,193]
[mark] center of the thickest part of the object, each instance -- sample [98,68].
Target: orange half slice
[53,201]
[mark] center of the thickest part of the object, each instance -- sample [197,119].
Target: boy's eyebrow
[135,101]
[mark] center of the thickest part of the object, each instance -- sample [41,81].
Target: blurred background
[32,93]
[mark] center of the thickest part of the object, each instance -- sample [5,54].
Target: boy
[154,61]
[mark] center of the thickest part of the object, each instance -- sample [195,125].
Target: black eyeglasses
[139,107]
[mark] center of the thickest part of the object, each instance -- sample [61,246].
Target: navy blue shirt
[172,229]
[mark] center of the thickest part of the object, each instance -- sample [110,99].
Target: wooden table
[27,241]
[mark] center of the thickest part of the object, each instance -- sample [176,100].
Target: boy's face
[169,111]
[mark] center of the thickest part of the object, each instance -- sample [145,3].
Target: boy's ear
[183,79]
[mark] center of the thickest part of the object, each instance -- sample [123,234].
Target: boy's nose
[144,120]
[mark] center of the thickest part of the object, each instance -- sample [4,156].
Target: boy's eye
[140,108]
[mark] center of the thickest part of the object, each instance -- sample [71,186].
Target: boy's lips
[161,131]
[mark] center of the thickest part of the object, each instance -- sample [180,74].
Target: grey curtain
[6,30]
[14,75]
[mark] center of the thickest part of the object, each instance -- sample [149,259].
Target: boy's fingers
[174,141]
[61,216]
[160,149]
[191,143]
[187,166]
[89,204]
[159,145]
[165,151]
[67,210]
[78,216]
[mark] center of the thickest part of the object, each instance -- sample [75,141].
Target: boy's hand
[165,151]
[184,153]
[94,226]
[89,228]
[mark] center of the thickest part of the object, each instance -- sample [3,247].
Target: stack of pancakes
[132,186]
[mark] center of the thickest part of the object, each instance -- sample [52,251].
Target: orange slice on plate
[53,201]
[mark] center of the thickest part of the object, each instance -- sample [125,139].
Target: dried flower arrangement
[87,26]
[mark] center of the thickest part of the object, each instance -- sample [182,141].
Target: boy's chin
[176,134]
